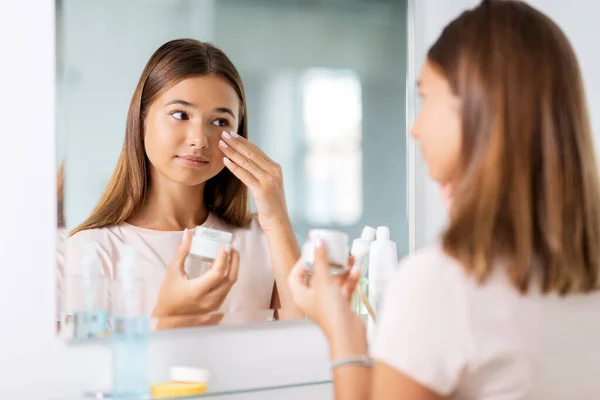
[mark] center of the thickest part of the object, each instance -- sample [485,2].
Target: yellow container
[177,389]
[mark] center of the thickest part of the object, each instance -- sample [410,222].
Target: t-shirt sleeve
[268,272]
[422,329]
[76,249]
[254,288]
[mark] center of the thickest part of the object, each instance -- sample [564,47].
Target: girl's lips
[192,161]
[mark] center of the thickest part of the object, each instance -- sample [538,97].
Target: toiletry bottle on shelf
[205,247]
[383,261]
[85,312]
[130,325]
[360,251]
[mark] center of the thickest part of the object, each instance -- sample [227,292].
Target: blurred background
[325,82]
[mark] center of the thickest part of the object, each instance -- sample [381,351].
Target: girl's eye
[220,122]
[180,115]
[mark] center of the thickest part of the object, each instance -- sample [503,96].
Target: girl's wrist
[348,343]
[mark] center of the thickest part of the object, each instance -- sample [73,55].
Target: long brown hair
[224,195]
[528,192]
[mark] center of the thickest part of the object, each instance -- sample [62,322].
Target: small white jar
[337,244]
[205,247]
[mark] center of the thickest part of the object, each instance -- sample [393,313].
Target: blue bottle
[130,326]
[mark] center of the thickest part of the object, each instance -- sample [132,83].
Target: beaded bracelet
[361,361]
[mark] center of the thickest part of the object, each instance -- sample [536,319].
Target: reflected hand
[327,302]
[262,175]
[180,295]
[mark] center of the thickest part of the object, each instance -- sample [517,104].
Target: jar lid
[337,246]
[189,374]
[207,242]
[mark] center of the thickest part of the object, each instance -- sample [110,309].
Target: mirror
[325,86]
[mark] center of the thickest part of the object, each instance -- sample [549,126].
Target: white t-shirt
[155,249]
[465,341]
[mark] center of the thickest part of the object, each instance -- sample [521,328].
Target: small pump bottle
[383,261]
[361,247]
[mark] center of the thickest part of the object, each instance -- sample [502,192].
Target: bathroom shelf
[207,395]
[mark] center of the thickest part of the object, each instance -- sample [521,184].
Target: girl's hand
[180,295]
[326,300]
[262,175]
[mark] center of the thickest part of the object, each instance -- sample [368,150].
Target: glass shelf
[67,330]
[105,395]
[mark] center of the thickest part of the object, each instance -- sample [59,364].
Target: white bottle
[361,248]
[383,261]
[360,251]
[205,247]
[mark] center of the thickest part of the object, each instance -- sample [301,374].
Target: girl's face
[183,128]
[438,127]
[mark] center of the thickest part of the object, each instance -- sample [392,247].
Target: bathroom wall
[579,19]
[430,18]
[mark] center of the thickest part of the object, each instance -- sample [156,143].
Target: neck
[170,206]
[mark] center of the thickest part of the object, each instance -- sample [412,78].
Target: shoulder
[423,327]
[431,269]
[101,237]
[429,279]
[429,285]
[106,240]
[253,228]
